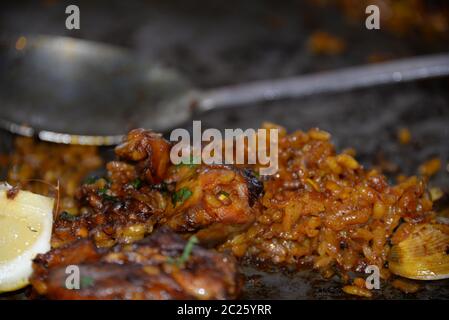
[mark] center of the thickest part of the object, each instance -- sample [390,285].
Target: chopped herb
[180,261]
[137,183]
[104,193]
[181,195]
[91,180]
[86,281]
[188,249]
[64,215]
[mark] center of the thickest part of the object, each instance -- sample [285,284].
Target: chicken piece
[124,206]
[214,202]
[142,191]
[162,266]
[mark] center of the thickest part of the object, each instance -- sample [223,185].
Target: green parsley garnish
[137,183]
[180,261]
[64,215]
[103,193]
[181,195]
[86,281]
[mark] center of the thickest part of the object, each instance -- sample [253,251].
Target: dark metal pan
[365,119]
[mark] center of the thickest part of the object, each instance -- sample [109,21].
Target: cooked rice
[324,209]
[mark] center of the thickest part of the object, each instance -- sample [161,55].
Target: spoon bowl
[77,91]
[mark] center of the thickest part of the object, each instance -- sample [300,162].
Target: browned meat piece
[157,267]
[123,207]
[213,201]
[108,217]
[143,191]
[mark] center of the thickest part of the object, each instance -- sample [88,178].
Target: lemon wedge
[25,230]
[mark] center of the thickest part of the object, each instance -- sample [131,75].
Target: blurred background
[216,42]
[402,129]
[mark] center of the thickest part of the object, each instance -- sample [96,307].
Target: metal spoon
[68,90]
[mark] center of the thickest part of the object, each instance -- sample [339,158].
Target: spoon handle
[404,70]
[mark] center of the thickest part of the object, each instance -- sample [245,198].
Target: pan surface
[261,40]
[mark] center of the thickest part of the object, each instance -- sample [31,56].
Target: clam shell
[424,255]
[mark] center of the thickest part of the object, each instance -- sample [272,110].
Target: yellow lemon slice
[25,230]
